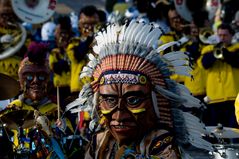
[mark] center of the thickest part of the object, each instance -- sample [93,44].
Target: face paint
[128,110]
[87,24]
[34,80]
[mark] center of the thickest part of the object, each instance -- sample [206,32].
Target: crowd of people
[136,80]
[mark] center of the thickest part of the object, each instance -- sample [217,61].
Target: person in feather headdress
[41,118]
[136,109]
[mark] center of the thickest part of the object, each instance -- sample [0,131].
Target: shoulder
[48,108]
[207,49]
[19,105]
[234,47]
[54,51]
[74,41]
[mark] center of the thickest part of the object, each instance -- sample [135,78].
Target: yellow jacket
[76,67]
[64,78]
[197,83]
[222,79]
[237,108]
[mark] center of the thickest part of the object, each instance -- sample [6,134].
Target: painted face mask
[34,81]
[34,73]
[128,109]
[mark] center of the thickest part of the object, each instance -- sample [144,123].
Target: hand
[58,122]
[61,124]
[7,38]
[13,107]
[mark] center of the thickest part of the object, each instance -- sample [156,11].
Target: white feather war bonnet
[129,49]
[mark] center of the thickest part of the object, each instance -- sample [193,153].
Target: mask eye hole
[134,100]
[29,77]
[110,101]
[41,78]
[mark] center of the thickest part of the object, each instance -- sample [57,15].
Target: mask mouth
[36,88]
[121,128]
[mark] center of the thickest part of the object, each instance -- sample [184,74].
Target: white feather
[135,32]
[165,46]
[152,37]
[122,33]
[129,30]
[145,31]
[175,55]
[96,49]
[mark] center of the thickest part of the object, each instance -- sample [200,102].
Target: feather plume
[165,46]
[155,103]
[152,37]
[175,55]
[144,32]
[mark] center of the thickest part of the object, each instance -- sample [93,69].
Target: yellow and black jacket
[222,74]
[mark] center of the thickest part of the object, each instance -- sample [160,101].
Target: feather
[96,49]
[152,37]
[176,55]
[155,103]
[85,74]
[122,33]
[165,46]
[129,30]
[169,95]
[179,62]
[73,104]
[183,88]
[136,32]
[145,31]
[182,70]
[92,57]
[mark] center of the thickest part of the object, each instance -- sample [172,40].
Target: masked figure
[34,112]
[135,107]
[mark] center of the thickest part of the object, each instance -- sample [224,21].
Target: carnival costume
[126,56]
[34,75]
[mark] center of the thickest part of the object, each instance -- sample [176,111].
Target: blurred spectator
[58,60]
[79,47]
[222,64]
[177,30]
